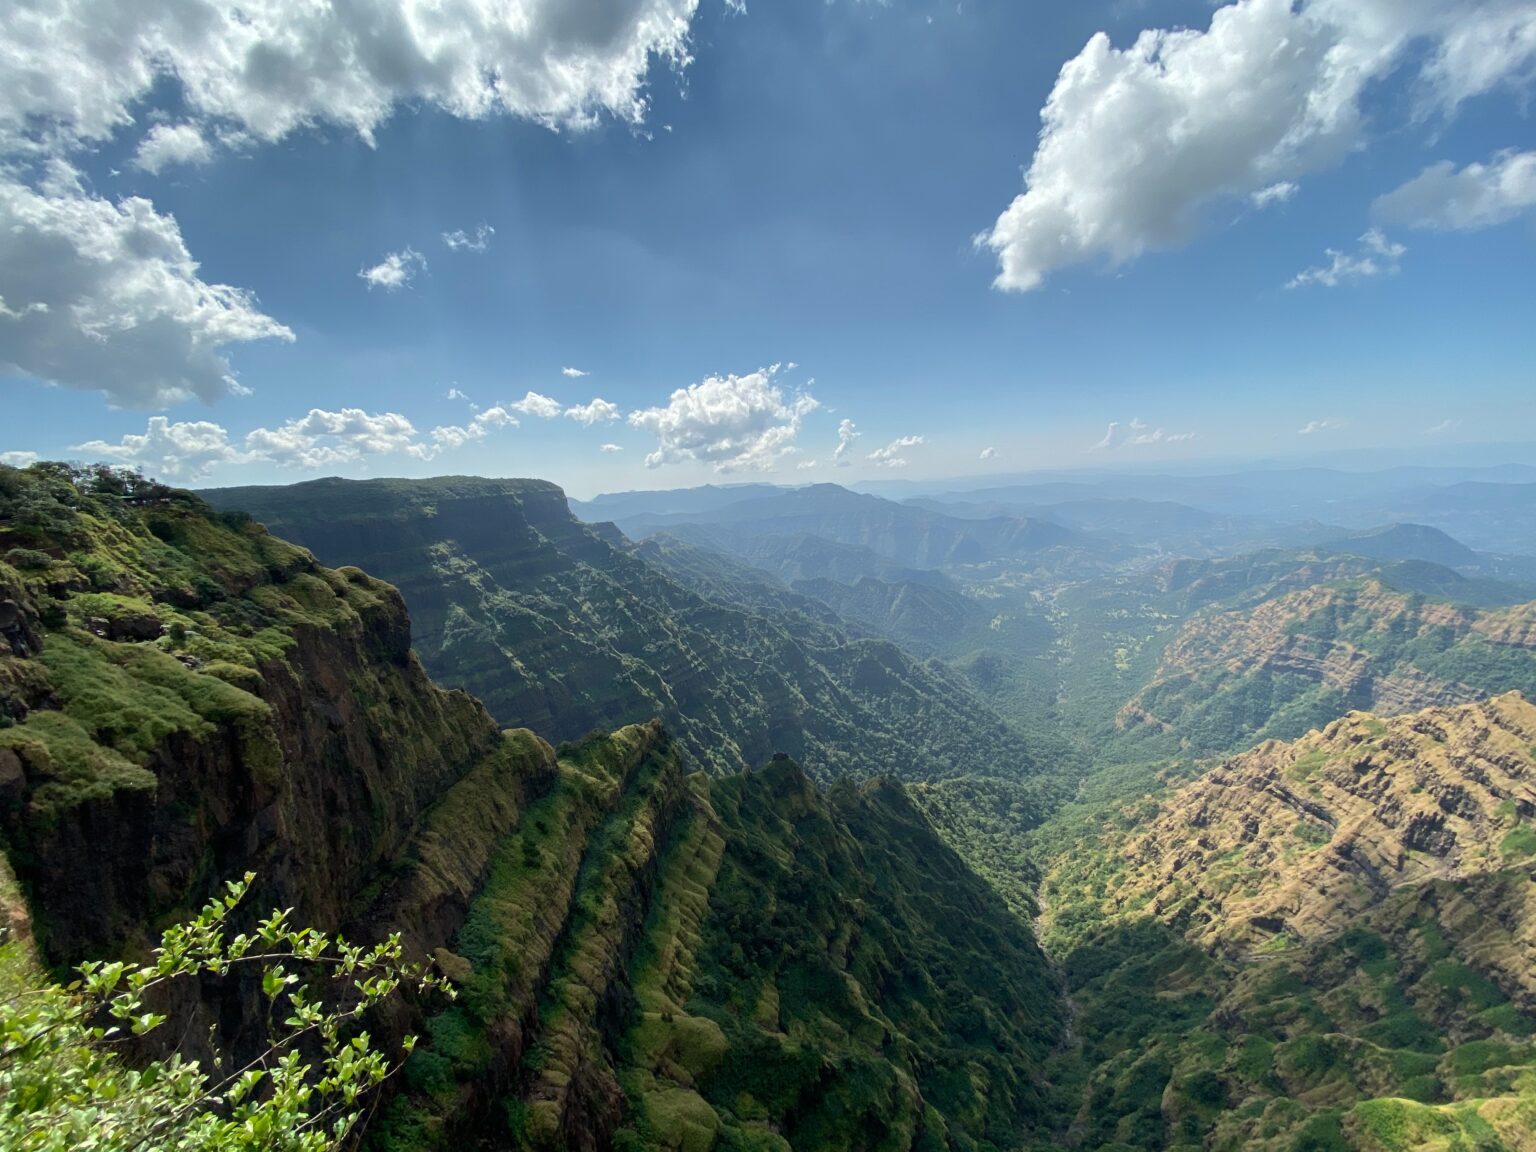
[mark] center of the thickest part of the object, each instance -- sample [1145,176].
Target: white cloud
[1450,200]
[134,319]
[596,412]
[806,465]
[462,241]
[730,422]
[1313,427]
[574,373]
[1135,142]
[611,448]
[322,438]
[1138,433]
[1272,194]
[168,144]
[105,297]
[189,450]
[1443,427]
[1374,256]
[396,270]
[184,450]
[534,404]
[18,459]
[847,433]
[891,455]
[450,436]
[988,453]
[454,394]
[73,70]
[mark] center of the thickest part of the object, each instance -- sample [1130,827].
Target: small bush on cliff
[64,1086]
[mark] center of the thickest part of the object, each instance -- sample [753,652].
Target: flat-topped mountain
[646,958]
[559,630]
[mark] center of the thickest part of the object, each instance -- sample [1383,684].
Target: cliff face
[559,631]
[646,957]
[1329,942]
[1302,657]
[661,962]
[1294,841]
[185,700]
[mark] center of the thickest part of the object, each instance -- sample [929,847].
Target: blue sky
[803,188]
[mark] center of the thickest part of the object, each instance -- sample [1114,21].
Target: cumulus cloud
[18,458]
[847,433]
[1448,199]
[536,404]
[1313,427]
[185,450]
[106,297]
[190,450]
[597,412]
[730,422]
[891,455]
[988,453]
[611,448]
[1138,433]
[1136,141]
[168,144]
[462,241]
[1272,194]
[322,438]
[455,394]
[457,435]
[574,373]
[1444,426]
[134,320]
[73,70]
[806,465]
[396,270]
[1374,256]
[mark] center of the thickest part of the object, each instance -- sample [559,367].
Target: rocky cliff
[559,631]
[647,958]
[1297,659]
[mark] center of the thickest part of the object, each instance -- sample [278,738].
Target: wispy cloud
[574,373]
[1313,427]
[1136,434]
[891,455]
[1374,256]
[462,241]
[988,453]
[395,271]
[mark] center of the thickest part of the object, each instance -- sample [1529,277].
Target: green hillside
[558,630]
[646,956]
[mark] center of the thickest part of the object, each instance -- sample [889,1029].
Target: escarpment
[559,631]
[644,954]
[1304,656]
[1298,839]
[190,699]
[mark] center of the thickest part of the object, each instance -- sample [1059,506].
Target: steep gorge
[647,957]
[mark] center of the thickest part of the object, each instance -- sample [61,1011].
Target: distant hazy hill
[1405,542]
[916,537]
[558,630]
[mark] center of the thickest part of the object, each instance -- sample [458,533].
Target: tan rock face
[1292,840]
[1358,640]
